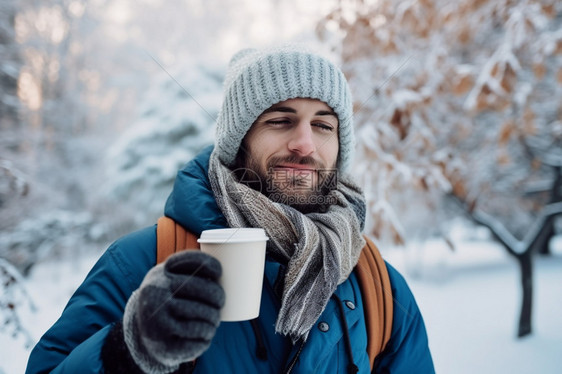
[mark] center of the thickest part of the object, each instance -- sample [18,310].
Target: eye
[278,121]
[323,126]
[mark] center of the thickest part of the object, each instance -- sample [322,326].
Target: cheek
[264,144]
[329,151]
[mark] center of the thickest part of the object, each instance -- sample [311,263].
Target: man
[284,141]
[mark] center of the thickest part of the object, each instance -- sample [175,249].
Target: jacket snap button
[323,326]
[350,304]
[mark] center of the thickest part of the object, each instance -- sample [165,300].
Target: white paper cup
[241,252]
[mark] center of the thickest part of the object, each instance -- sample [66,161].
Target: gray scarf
[321,249]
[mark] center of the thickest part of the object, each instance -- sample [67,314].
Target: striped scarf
[321,249]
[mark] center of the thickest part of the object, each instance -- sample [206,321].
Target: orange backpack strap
[377,298]
[171,237]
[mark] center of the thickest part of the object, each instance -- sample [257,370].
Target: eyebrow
[286,109]
[326,113]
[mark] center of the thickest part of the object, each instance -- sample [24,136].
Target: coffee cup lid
[233,235]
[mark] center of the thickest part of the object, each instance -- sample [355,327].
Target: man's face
[293,148]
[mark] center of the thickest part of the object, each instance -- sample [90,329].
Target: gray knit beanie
[258,79]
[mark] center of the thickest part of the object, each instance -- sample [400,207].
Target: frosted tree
[457,99]
[44,162]
[9,66]
[176,121]
[14,298]
[77,86]
[12,181]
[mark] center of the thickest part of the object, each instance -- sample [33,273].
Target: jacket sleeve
[408,348]
[74,343]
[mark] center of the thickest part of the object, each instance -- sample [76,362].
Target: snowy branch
[514,246]
[17,181]
[13,297]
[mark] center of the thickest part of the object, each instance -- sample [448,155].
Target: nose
[302,140]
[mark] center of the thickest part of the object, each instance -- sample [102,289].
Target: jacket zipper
[294,360]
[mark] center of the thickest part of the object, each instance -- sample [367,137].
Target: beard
[304,190]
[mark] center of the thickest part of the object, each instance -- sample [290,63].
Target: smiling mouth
[299,167]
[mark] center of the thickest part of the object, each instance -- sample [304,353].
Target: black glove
[173,316]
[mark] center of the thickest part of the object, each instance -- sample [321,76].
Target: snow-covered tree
[9,65]
[47,152]
[453,98]
[176,121]
[14,297]
[445,93]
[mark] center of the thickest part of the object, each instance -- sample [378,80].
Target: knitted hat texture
[258,79]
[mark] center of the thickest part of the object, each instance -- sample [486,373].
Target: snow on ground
[51,284]
[469,299]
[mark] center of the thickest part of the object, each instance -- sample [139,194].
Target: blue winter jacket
[74,343]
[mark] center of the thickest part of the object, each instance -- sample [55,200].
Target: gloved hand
[172,317]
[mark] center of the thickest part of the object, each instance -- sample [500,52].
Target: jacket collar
[192,203]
